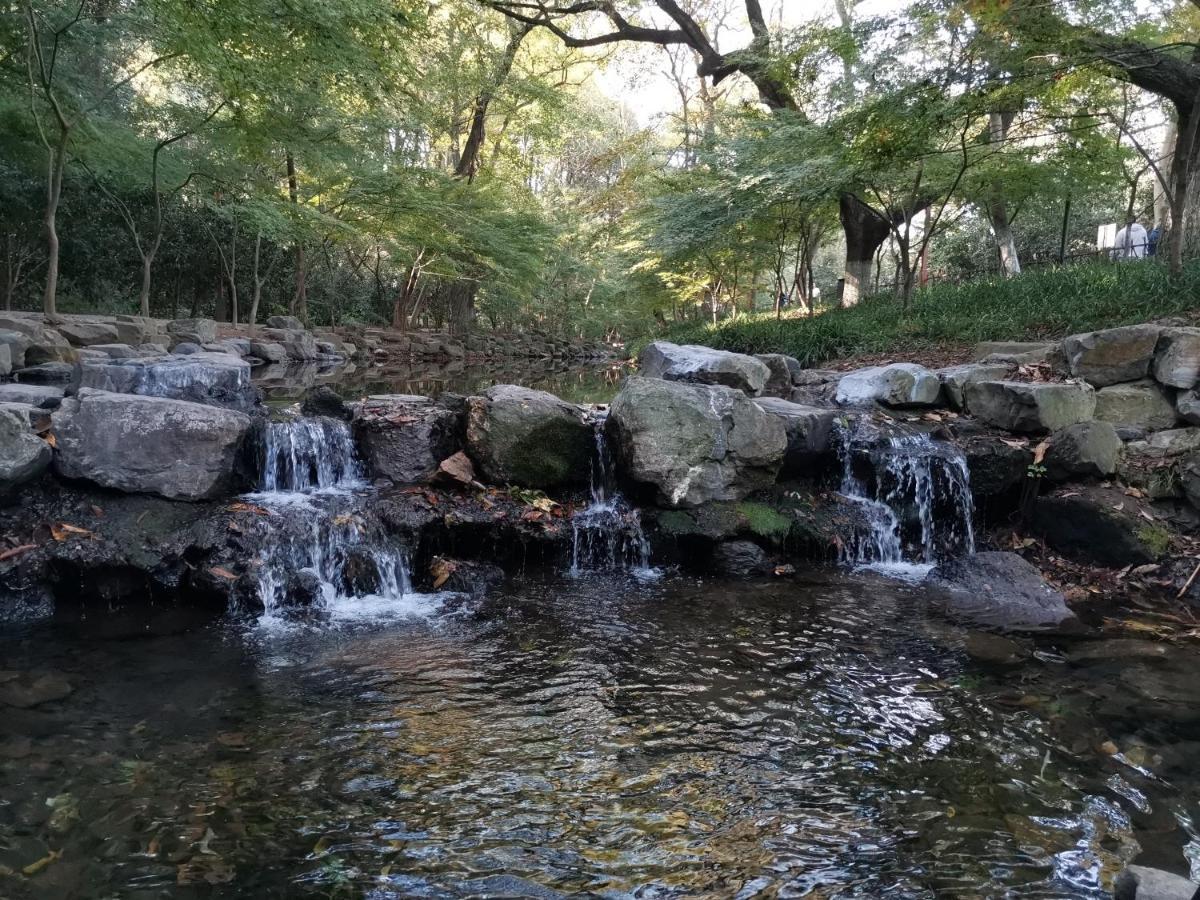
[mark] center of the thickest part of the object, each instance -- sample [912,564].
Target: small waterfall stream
[915,496]
[324,558]
[607,534]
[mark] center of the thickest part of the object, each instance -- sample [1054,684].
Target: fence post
[1062,243]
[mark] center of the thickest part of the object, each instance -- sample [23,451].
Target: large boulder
[740,559]
[1032,408]
[530,438]
[1138,404]
[153,445]
[404,437]
[1000,590]
[1144,883]
[784,371]
[267,351]
[44,396]
[1088,529]
[808,428]
[23,455]
[703,365]
[85,334]
[17,344]
[192,331]
[1177,357]
[217,379]
[1083,450]
[694,443]
[136,330]
[955,379]
[1112,356]
[291,323]
[44,343]
[900,385]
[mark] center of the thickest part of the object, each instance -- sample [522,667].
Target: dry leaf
[61,531]
[441,570]
[17,551]
[1039,452]
[50,439]
[221,572]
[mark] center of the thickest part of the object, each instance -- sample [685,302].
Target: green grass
[1038,305]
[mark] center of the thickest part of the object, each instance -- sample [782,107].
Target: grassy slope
[1045,304]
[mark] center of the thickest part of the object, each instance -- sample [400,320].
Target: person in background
[1152,240]
[1132,241]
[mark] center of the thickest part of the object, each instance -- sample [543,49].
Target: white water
[358,575]
[607,535]
[917,506]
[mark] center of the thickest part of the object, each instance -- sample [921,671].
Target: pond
[818,736]
[576,382]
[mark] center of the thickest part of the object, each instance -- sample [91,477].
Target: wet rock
[43,396]
[1117,649]
[322,400]
[955,379]
[304,590]
[898,385]
[6,365]
[216,379]
[994,649]
[86,334]
[186,348]
[1000,590]
[473,578]
[1112,356]
[1139,404]
[1087,529]
[23,455]
[694,443]
[808,429]
[1085,450]
[1177,357]
[1032,408]
[17,343]
[784,370]
[740,559]
[192,331]
[56,373]
[290,323]
[530,438]
[996,467]
[171,448]
[268,351]
[1187,406]
[404,438]
[30,690]
[703,365]
[1142,883]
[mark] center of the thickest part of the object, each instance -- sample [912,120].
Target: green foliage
[1044,304]
[764,521]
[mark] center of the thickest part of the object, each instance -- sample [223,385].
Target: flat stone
[1012,349]
[186,348]
[268,351]
[1000,590]
[808,429]
[40,395]
[955,379]
[1167,444]
[1112,356]
[406,441]
[1083,450]
[195,331]
[37,418]
[1138,404]
[1177,357]
[897,385]
[1085,530]
[54,373]
[117,351]
[703,365]
[1030,408]
[217,379]
[86,334]
[29,690]
[290,323]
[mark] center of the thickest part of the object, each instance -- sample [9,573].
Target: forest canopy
[513,165]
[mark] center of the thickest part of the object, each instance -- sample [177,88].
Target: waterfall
[607,535]
[305,455]
[915,497]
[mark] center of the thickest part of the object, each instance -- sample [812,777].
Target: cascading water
[607,534]
[323,557]
[915,496]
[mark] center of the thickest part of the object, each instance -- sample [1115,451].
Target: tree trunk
[1006,244]
[1162,197]
[461,306]
[468,162]
[57,164]
[865,231]
[144,293]
[1183,185]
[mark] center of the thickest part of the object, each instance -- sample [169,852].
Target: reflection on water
[576,382]
[581,736]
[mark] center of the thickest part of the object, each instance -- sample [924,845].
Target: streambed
[599,735]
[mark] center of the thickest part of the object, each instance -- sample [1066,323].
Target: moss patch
[1155,538]
[763,521]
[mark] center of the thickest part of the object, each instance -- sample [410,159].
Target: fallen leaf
[441,570]
[231,739]
[222,572]
[457,469]
[248,507]
[62,531]
[50,439]
[1039,452]
[97,512]
[17,551]
[34,867]
[1145,515]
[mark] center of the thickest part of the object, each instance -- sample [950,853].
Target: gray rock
[808,431]
[694,443]
[1017,352]
[154,349]
[955,379]
[44,343]
[784,371]
[186,348]
[1031,408]
[153,445]
[1187,406]
[45,396]
[17,344]
[1139,404]
[38,418]
[1112,356]
[193,331]
[740,559]
[405,438]
[217,379]
[23,455]
[236,346]
[56,373]
[530,438]
[322,400]
[1083,450]
[1177,357]
[136,330]
[810,377]
[900,384]
[87,334]
[1167,444]
[117,351]
[996,467]
[268,351]
[291,323]
[6,365]
[703,365]
[1087,530]
[1144,883]
[1000,590]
